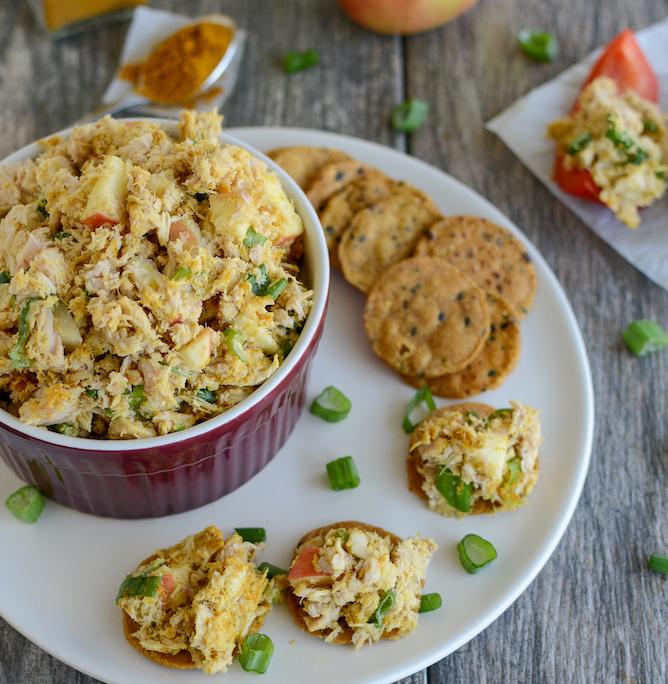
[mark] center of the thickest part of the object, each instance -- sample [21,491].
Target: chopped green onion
[408,116]
[649,126]
[26,503]
[331,405]
[256,652]
[499,413]
[17,353]
[144,585]
[475,553]
[661,175]
[343,474]
[65,429]
[254,535]
[4,277]
[276,288]
[384,605]
[61,235]
[137,396]
[181,273]
[201,196]
[471,416]
[41,208]
[259,283]
[638,157]
[429,602]
[271,570]
[342,534]
[658,564]
[92,393]
[579,143]
[513,471]
[644,337]
[207,395]
[287,348]
[539,45]
[298,61]
[254,238]
[235,343]
[454,490]
[423,400]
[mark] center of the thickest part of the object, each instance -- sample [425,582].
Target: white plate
[59,577]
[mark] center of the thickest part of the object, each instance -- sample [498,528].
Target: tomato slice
[304,564]
[624,62]
[168,583]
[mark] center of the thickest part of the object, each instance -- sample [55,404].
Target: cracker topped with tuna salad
[466,459]
[353,583]
[192,605]
[425,318]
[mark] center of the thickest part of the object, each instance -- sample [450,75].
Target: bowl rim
[319,268]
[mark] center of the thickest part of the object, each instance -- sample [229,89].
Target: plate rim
[530,573]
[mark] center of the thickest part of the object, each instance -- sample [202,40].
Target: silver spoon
[133,99]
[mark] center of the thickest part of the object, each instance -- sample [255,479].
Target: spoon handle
[113,108]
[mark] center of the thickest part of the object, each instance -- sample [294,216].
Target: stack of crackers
[445,293]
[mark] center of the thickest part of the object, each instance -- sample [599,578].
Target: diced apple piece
[232,216]
[66,327]
[106,201]
[186,229]
[196,353]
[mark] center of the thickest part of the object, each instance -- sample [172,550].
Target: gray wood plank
[594,614]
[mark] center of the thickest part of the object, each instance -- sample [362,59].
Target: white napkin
[522,127]
[148,28]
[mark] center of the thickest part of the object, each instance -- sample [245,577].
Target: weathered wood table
[595,614]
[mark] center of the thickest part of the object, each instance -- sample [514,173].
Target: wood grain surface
[594,614]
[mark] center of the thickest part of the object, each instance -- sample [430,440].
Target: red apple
[403,16]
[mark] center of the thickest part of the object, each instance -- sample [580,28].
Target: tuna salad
[354,583]
[470,458]
[620,139]
[147,283]
[193,604]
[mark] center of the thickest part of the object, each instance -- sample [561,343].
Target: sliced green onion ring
[26,503]
[276,288]
[429,602]
[331,405]
[499,413]
[579,143]
[424,401]
[256,652]
[254,535]
[384,605]
[475,553]
[454,490]
[343,474]
[254,238]
[408,116]
[271,570]
[235,343]
[539,45]
[144,585]
[658,564]
[644,337]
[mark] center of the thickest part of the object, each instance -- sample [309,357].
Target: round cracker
[180,661]
[491,366]
[384,234]
[416,479]
[426,318]
[302,163]
[490,254]
[340,208]
[292,602]
[333,177]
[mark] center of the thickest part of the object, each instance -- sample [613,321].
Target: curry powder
[176,69]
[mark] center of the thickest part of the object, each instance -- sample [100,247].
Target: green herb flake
[136,397]
[207,395]
[65,429]
[408,116]
[92,393]
[579,143]
[299,61]
[254,238]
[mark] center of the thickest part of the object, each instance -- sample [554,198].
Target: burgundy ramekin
[142,478]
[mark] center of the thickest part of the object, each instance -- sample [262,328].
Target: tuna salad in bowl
[159,285]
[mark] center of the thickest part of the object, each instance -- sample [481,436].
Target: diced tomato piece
[168,583]
[624,62]
[577,182]
[98,220]
[304,565]
[179,229]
